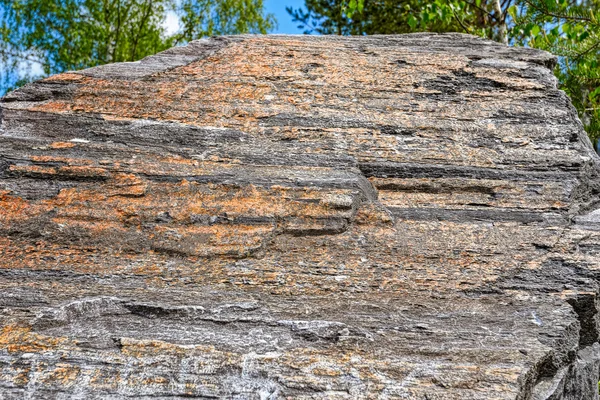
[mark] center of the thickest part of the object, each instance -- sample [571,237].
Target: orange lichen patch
[236,82]
[44,255]
[62,145]
[254,201]
[373,214]
[53,106]
[66,77]
[155,380]
[128,185]
[181,160]
[15,210]
[190,388]
[212,240]
[73,172]
[83,172]
[15,338]
[109,117]
[331,266]
[63,374]
[229,90]
[11,207]
[20,377]
[323,371]
[105,378]
[127,195]
[64,198]
[141,348]
[193,240]
[32,170]
[65,160]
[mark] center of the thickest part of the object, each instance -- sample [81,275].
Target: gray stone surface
[290,217]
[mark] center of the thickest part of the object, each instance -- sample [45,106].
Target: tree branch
[465,28]
[558,16]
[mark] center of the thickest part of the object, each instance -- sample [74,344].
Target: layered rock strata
[289,217]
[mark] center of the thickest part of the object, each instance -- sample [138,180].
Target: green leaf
[412,22]
[512,11]
[361,5]
[353,7]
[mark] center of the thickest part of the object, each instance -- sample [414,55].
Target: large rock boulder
[295,217]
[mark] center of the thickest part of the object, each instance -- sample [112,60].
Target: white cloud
[33,69]
[171,23]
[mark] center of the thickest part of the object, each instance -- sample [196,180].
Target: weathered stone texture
[251,217]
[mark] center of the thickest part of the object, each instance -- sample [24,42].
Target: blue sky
[284,20]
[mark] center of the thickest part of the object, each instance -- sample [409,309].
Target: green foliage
[567,28]
[360,17]
[224,17]
[571,30]
[369,17]
[63,35]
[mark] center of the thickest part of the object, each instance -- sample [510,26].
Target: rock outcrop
[289,217]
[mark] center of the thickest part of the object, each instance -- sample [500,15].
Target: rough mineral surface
[286,217]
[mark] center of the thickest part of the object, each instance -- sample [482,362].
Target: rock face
[287,217]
